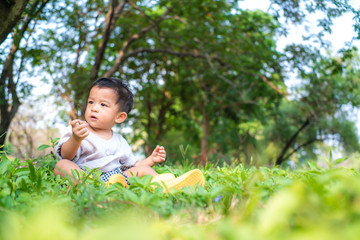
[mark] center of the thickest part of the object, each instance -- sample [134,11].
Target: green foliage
[53,143]
[176,65]
[205,73]
[320,108]
[237,202]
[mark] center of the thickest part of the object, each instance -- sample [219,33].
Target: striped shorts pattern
[119,170]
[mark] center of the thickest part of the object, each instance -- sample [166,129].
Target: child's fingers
[83,133]
[160,148]
[82,125]
[156,150]
[80,128]
[83,130]
[86,133]
[74,122]
[162,151]
[162,155]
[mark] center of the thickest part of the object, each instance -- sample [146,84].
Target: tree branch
[271,85]
[136,7]
[281,158]
[119,60]
[301,146]
[110,20]
[149,19]
[201,56]
[171,52]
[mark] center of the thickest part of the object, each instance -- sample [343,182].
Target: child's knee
[62,166]
[59,166]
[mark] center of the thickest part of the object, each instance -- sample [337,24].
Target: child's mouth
[93,118]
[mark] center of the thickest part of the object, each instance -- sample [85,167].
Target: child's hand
[158,155]
[80,132]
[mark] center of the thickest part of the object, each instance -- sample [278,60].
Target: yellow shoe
[116,178]
[188,179]
[161,178]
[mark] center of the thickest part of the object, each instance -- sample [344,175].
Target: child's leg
[64,167]
[140,170]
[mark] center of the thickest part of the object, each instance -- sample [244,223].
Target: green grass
[237,203]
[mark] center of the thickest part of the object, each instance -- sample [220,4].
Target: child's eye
[103,105]
[90,102]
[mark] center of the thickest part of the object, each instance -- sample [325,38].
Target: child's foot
[190,178]
[116,178]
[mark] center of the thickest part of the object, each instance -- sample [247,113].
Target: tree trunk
[7,111]
[147,149]
[203,159]
[10,14]
[4,126]
[149,124]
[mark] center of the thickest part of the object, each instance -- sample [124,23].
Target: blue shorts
[119,170]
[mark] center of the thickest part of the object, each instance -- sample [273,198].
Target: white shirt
[95,152]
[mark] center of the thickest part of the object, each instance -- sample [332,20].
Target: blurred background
[255,82]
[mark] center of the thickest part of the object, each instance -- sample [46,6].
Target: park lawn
[237,203]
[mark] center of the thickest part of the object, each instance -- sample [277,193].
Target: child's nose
[95,108]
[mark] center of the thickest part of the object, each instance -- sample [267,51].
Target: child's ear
[120,117]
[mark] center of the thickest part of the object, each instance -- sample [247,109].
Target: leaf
[131,196]
[39,183]
[43,147]
[21,172]
[4,165]
[75,174]
[32,172]
[340,160]
[89,174]
[312,165]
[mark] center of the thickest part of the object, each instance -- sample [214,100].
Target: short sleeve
[132,159]
[125,152]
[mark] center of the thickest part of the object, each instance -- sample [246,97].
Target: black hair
[122,89]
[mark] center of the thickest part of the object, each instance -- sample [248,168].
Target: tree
[319,112]
[95,27]
[222,52]
[181,35]
[13,64]
[314,116]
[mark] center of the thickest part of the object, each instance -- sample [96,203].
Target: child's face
[102,112]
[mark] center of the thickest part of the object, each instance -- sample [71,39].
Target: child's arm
[80,132]
[157,156]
